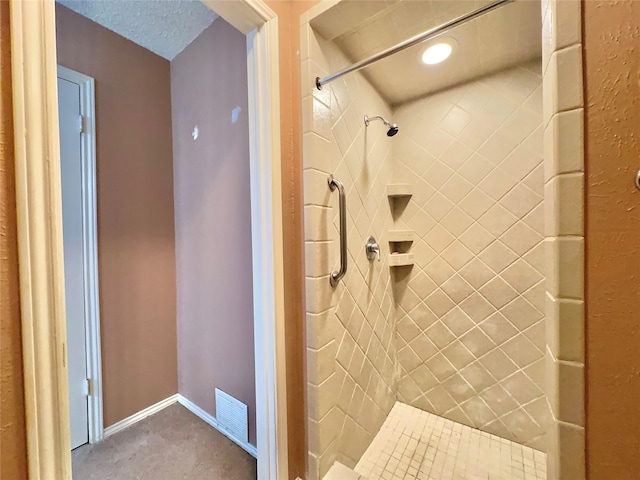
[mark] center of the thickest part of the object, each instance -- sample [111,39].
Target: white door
[72,227]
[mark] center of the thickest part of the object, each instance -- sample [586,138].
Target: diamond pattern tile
[498,256]
[358,384]
[484,225]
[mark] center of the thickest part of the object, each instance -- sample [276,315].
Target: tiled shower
[451,320]
[470,325]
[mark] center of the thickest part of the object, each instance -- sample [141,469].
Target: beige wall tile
[567,404]
[562,84]
[521,350]
[316,188]
[320,362]
[321,329]
[565,267]
[319,153]
[477,273]
[521,276]
[498,328]
[566,458]
[564,144]
[319,294]
[317,223]
[566,23]
[521,239]
[564,208]
[322,433]
[535,295]
[498,292]
[320,258]
[521,388]
[565,328]
[321,398]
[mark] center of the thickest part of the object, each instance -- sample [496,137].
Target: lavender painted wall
[213,220]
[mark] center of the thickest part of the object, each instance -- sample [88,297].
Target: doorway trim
[39,208]
[90,249]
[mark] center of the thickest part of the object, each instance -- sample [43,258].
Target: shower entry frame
[562,85]
[41,276]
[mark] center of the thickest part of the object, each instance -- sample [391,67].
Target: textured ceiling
[505,37]
[165,27]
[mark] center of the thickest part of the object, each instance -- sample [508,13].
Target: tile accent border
[563,107]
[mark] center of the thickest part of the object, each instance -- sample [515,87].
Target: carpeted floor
[170,445]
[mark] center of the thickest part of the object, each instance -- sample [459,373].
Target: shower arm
[368,119]
[424,36]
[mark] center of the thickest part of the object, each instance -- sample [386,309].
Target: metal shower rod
[433,32]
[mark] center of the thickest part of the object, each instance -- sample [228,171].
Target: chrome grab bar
[336,276]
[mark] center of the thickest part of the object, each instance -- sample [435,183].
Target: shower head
[393,128]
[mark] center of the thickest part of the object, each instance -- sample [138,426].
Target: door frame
[90,249]
[39,208]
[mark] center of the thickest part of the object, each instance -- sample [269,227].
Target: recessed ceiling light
[437,53]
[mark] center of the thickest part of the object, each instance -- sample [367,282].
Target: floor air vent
[232,416]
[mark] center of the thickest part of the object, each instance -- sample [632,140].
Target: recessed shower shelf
[397,236]
[400,190]
[400,259]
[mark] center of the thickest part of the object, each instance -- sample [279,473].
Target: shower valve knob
[372,249]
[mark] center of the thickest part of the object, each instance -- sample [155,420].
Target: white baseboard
[211,420]
[142,414]
[189,405]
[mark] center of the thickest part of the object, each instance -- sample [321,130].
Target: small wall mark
[235,113]
[195,133]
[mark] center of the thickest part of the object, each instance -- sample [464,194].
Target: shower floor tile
[414,444]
